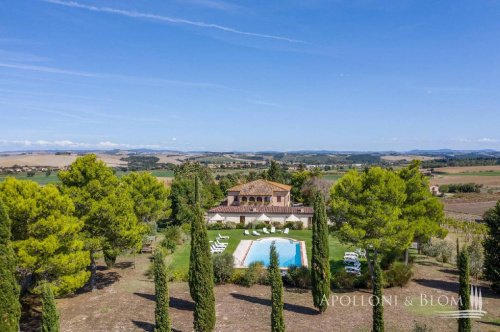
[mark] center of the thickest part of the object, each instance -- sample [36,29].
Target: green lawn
[179,261]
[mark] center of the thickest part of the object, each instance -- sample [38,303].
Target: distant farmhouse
[260,201]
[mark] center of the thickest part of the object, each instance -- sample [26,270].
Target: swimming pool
[289,251]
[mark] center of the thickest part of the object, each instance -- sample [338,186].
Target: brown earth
[125,302]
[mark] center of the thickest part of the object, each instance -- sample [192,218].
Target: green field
[42,179]
[179,261]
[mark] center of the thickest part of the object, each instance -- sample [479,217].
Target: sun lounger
[246,232]
[273,229]
[265,231]
[214,249]
[223,237]
[218,243]
[286,231]
[255,233]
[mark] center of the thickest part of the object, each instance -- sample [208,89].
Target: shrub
[421,327]
[398,274]
[223,267]
[277,224]
[174,234]
[342,280]
[178,275]
[254,274]
[226,225]
[296,225]
[110,256]
[441,249]
[298,276]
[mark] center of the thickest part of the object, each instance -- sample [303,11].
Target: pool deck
[241,253]
[243,248]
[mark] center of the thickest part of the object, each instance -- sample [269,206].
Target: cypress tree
[162,319]
[320,261]
[50,315]
[277,322]
[10,309]
[201,276]
[464,324]
[492,247]
[378,308]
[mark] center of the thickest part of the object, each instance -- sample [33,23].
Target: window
[242,219]
[259,199]
[235,198]
[279,199]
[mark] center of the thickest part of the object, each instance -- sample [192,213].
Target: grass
[42,179]
[178,262]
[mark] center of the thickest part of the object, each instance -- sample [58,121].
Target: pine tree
[464,324]
[277,322]
[50,315]
[320,261]
[162,319]
[10,309]
[492,247]
[201,276]
[378,308]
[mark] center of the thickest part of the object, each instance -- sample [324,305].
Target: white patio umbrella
[217,217]
[263,218]
[292,218]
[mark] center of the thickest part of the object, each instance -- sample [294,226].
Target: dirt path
[125,302]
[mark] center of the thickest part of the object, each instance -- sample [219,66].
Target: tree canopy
[47,235]
[10,308]
[150,197]
[368,210]
[183,193]
[104,205]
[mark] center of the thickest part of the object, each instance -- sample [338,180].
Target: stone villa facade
[260,201]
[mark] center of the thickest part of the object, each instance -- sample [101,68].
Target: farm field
[125,302]
[469,169]
[42,179]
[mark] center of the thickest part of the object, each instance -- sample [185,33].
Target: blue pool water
[288,251]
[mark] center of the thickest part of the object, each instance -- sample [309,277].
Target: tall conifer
[320,261]
[277,322]
[464,324]
[201,276]
[162,319]
[10,309]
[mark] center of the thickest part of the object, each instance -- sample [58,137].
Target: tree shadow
[488,323]
[102,280]
[448,286]
[145,326]
[449,271]
[123,265]
[176,303]
[287,306]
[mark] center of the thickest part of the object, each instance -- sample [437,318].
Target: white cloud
[68,144]
[487,140]
[169,19]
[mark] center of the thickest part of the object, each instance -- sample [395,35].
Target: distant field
[42,179]
[406,158]
[475,170]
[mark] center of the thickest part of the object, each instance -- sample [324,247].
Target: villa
[260,201]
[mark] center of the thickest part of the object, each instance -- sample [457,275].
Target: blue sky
[250,75]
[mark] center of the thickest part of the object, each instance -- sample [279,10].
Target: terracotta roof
[262,209]
[260,187]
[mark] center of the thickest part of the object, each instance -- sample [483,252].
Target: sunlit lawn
[179,261]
